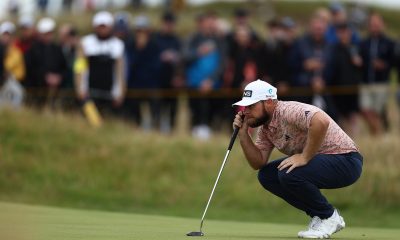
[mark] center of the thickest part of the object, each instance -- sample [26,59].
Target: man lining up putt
[320,154]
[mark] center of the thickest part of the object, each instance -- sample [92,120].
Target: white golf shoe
[323,228]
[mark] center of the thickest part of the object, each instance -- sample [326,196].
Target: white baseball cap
[46,25]
[257,91]
[7,27]
[103,18]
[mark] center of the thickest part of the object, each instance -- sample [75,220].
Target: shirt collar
[275,121]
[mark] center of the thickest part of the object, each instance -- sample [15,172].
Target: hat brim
[246,102]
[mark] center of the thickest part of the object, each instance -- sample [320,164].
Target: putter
[200,233]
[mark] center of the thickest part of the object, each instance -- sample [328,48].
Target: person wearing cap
[320,155]
[27,35]
[45,63]
[12,64]
[338,16]
[100,66]
[122,27]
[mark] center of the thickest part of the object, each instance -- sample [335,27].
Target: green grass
[20,222]
[56,159]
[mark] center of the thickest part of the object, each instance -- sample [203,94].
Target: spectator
[25,41]
[309,58]
[99,66]
[339,16]
[26,25]
[275,33]
[12,67]
[241,20]
[377,54]
[241,65]
[170,78]
[69,41]
[13,64]
[46,62]
[346,72]
[265,56]
[281,74]
[122,27]
[358,15]
[202,55]
[144,74]
[396,59]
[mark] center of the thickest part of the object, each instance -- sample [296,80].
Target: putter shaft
[234,135]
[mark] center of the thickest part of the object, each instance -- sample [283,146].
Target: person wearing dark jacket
[278,68]
[346,75]
[309,57]
[144,74]
[46,62]
[377,54]
[170,57]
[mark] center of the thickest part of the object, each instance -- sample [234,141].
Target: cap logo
[270,91]
[247,93]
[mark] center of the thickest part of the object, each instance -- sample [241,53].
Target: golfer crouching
[320,154]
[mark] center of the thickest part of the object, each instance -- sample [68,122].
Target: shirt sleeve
[300,115]
[262,142]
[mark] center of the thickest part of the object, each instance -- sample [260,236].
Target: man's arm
[81,72]
[119,86]
[316,134]
[255,157]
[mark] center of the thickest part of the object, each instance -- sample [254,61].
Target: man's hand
[379,65]
[313,64]
[206,86]
[53,79]
[241,123]
[296,160]
[318,84]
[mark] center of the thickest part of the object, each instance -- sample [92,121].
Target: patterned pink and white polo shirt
[288,131]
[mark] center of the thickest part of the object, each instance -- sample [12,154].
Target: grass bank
[55,159]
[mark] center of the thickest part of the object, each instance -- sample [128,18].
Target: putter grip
[234,135]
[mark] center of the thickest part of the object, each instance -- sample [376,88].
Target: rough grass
[56,159]
[23,222]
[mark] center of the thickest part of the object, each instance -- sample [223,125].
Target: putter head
[195,234]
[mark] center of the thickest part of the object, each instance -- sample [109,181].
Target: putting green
[23,222]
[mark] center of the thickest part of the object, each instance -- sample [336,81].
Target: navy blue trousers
[301,187]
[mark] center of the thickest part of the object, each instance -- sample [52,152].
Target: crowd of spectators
[134,71]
